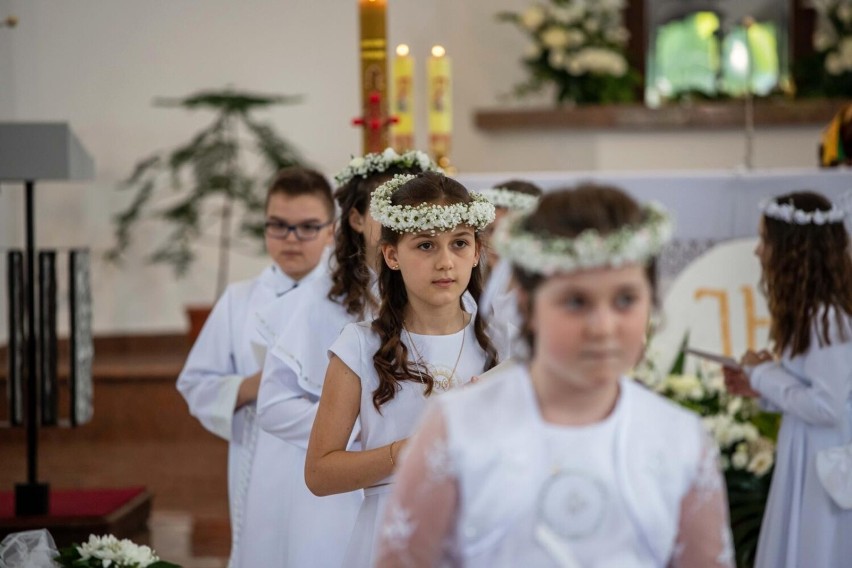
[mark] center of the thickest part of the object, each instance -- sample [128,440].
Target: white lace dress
[355,347]
[486,482]
[499,305]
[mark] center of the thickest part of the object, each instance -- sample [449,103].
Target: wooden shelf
[637,117]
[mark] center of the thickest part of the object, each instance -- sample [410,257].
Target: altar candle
[440,104]
[372,17]
[402,99]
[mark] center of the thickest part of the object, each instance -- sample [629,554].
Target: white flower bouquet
[579,45]
[109,552]
[744,433]
[829,71]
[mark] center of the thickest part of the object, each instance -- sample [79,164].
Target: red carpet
[76,502]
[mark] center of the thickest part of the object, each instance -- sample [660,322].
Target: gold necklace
[443,384]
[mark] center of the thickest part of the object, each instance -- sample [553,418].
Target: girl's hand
[754,358]
[737,383]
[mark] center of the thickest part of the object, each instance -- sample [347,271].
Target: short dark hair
[296,180]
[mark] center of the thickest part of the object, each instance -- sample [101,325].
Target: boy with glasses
[221,377]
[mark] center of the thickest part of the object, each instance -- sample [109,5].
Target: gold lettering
[752,321]
[724,315]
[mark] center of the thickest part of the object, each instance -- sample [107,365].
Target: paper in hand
[721,359]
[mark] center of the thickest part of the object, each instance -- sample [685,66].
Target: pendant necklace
[444,384]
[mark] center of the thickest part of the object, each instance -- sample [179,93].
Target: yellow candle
[374,71]
[402,99]
[440,104]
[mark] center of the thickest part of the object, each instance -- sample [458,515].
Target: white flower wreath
[377,163]
[546,254]
[790,214]
[511,200]
[478,213]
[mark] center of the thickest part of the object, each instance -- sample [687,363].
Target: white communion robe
[221,358]
[802,526]
[355,347]
[487,482]
[300,529]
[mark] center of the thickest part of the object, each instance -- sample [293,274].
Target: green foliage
[178,186]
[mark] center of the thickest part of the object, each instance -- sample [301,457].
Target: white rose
[760,463]
[739,460]
[532,51]
[390,155]
[833,64]
[356,162]
[533,17]
[556,59]
[554,37]
[592,25]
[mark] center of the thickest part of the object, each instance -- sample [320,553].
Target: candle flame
[402,50]
[438,51]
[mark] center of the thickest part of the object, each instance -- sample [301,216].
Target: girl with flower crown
[296,332]
[498,303]
[807,278]
[559,460]
[425,340]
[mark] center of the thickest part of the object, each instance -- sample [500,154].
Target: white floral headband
[478,213]
[547,255]
[378,163]
[511,200]
[788,213]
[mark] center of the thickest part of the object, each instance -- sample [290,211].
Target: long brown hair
[806,269]
[350,276]
[391,359]
[569,212]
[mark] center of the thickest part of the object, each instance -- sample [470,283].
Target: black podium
[31,152]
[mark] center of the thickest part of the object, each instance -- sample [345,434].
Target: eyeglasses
[303,232]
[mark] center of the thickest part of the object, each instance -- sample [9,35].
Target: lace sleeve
[420,513]
[704,535]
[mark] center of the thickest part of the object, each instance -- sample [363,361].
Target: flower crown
[378,163]
[546,254]
[478,213]
[511,200]
[788,213]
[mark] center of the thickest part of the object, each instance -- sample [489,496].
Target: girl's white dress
[486,482]
[291,526]
[802,526]
[221,358]
[355,347]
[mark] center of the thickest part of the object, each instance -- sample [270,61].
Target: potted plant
[207,176]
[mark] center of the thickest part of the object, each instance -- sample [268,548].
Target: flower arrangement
[744,433]
[109,552]
[479,213]
[508,199]
[579,46]
[829,71]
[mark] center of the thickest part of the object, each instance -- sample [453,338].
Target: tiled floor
[176,537]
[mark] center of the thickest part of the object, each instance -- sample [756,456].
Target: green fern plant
[222,170]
